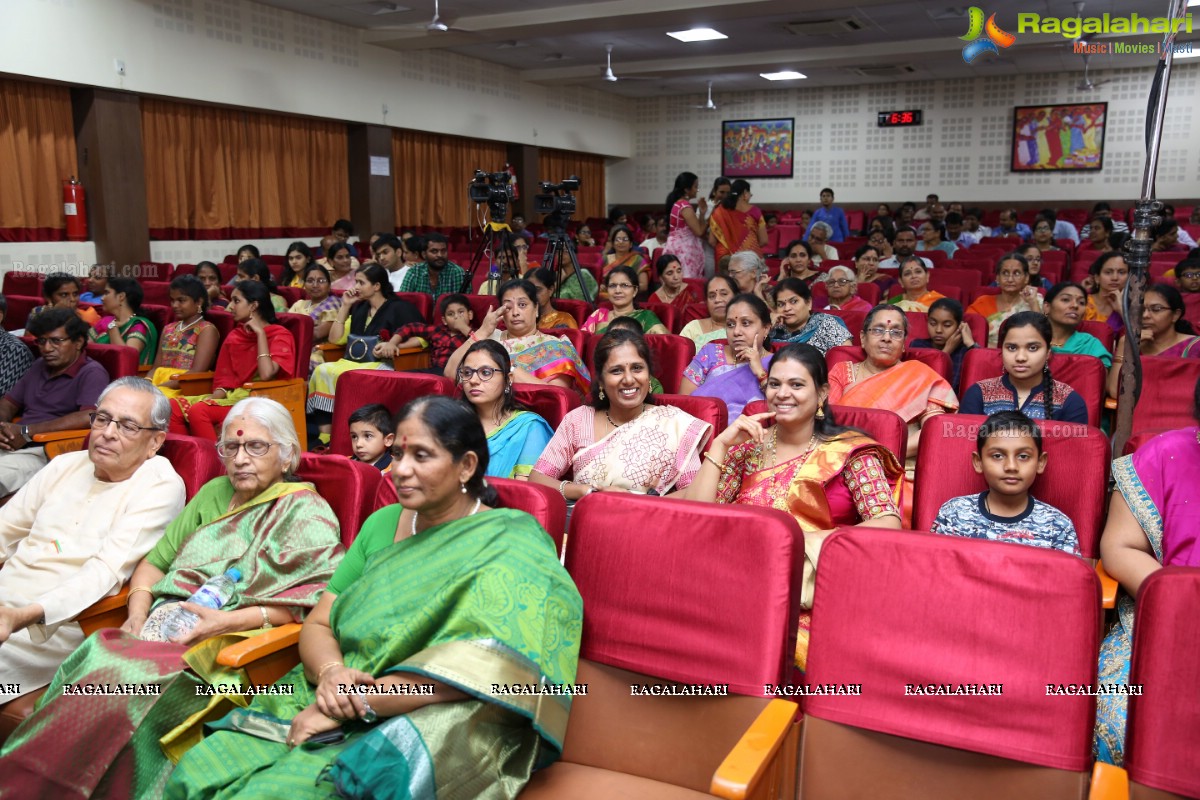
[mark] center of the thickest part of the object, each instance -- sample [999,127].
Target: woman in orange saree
[882,380]
[736,225]
[822,475]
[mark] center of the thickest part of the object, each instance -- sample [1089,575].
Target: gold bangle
[137,589]
[325,667]
[260,355]
[715,463]
[266,619]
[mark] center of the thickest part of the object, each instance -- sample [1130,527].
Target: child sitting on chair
[371,436]
[443,339]
[1009,456]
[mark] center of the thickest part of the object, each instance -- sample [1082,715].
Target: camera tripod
[498,241]
[558,247]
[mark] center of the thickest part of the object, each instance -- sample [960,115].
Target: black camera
[493,188]
[556,201]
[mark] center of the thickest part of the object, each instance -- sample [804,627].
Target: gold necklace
[615,425]
[773,444]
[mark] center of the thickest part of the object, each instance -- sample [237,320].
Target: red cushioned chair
[669,357]
[576,308]
[19,307]
[944,471]
[854,319]
[194,459]
[480,303]
[157,292]
[710,409]
[543,503]
[221,319]
[1162,725]
[28,284]
[695,311]
[1084,374]
[1166,398]
[1102,331]
[667,315]
[882,425]
[962,279]
[158,314]
[354,490]
[900,608]
[684,602]
[358,388]
[918,326]
[424,305]
[551,403]
[936,360]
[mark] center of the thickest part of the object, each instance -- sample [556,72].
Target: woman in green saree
[122,322]
[285,541]
[441,604]
[622,286]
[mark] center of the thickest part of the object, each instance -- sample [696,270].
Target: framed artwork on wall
[757,148]
[1064,138]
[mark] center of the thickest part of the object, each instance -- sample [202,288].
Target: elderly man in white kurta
[74,533]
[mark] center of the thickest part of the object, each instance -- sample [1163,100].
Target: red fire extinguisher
[516,190]
[74,210]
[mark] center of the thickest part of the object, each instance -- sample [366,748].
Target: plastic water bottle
[213,594]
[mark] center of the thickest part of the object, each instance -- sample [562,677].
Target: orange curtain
[37,153]
[214,173]
[431,172]
[555,165]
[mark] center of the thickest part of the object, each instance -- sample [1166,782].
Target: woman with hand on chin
[537,357]
[822,475]
[798,263]
[622,441]
[515,436]
[799,325]
[1109,274]
[441,597]
[257,349]
[735,370]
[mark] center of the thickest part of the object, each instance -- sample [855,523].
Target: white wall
[241,53]
[46,257]
[961,151]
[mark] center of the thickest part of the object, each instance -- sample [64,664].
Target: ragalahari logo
[995,38]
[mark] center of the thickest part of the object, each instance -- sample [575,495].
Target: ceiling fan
[438,25]
[708,104]
[1087,84]
[608,70]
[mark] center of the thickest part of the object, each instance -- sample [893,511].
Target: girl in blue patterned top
[1009,457]
[1026,384]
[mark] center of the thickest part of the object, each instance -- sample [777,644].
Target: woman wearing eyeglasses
[842,286]
[883,380]
[322,305]
[621,285]
[284,540]
[516,437]
[1164,331]
[1012,275]
[622,254]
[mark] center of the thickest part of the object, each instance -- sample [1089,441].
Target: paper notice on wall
[381,165]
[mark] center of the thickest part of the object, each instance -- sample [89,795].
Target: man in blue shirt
[831,215]
[1010,227]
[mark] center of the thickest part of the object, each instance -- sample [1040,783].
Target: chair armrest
[256,647]
[332,352]
[272,384]
[145,369]
[59,442]
[193,384]
[750,758]
[1108,587]
[107,612]
[411,358]
[1108,783]
[58,436]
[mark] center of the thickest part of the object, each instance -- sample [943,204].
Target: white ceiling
[562,42]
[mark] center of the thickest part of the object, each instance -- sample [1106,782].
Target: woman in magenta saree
[1153,522]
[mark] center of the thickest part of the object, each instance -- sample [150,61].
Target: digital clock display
[899,119]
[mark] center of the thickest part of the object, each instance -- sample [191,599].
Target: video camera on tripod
[493,188]
[556,202]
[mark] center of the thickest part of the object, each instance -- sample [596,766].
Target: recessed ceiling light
[697,35]
[786,75]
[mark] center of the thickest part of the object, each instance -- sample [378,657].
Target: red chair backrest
[710,409]
[576,308]
[19,307]
[1084,374]
[978,325]
[1102,331]
[480,304]
[118,360]
[354,490]
[695,311]
[551,403]
[290,294]
[195,460]
[1191,305]
[361,387]
[156,292]
[222,320]
[918,326]
[854,319]
[962,279]
[686,591]
[1168,385]
[159,315]
[936,360]
[543,503]
[944,471]
[1160,738]
[301,328]
[667,315]
[935,637]
[23,283]
[423,303]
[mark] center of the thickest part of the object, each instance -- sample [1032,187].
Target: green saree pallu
[119,704]
[478,604]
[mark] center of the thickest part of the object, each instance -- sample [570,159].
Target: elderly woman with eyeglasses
[883,380]
[282,538]
[516,437]
[842,285]
[818,236]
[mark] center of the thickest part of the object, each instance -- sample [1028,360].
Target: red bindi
[239,433]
